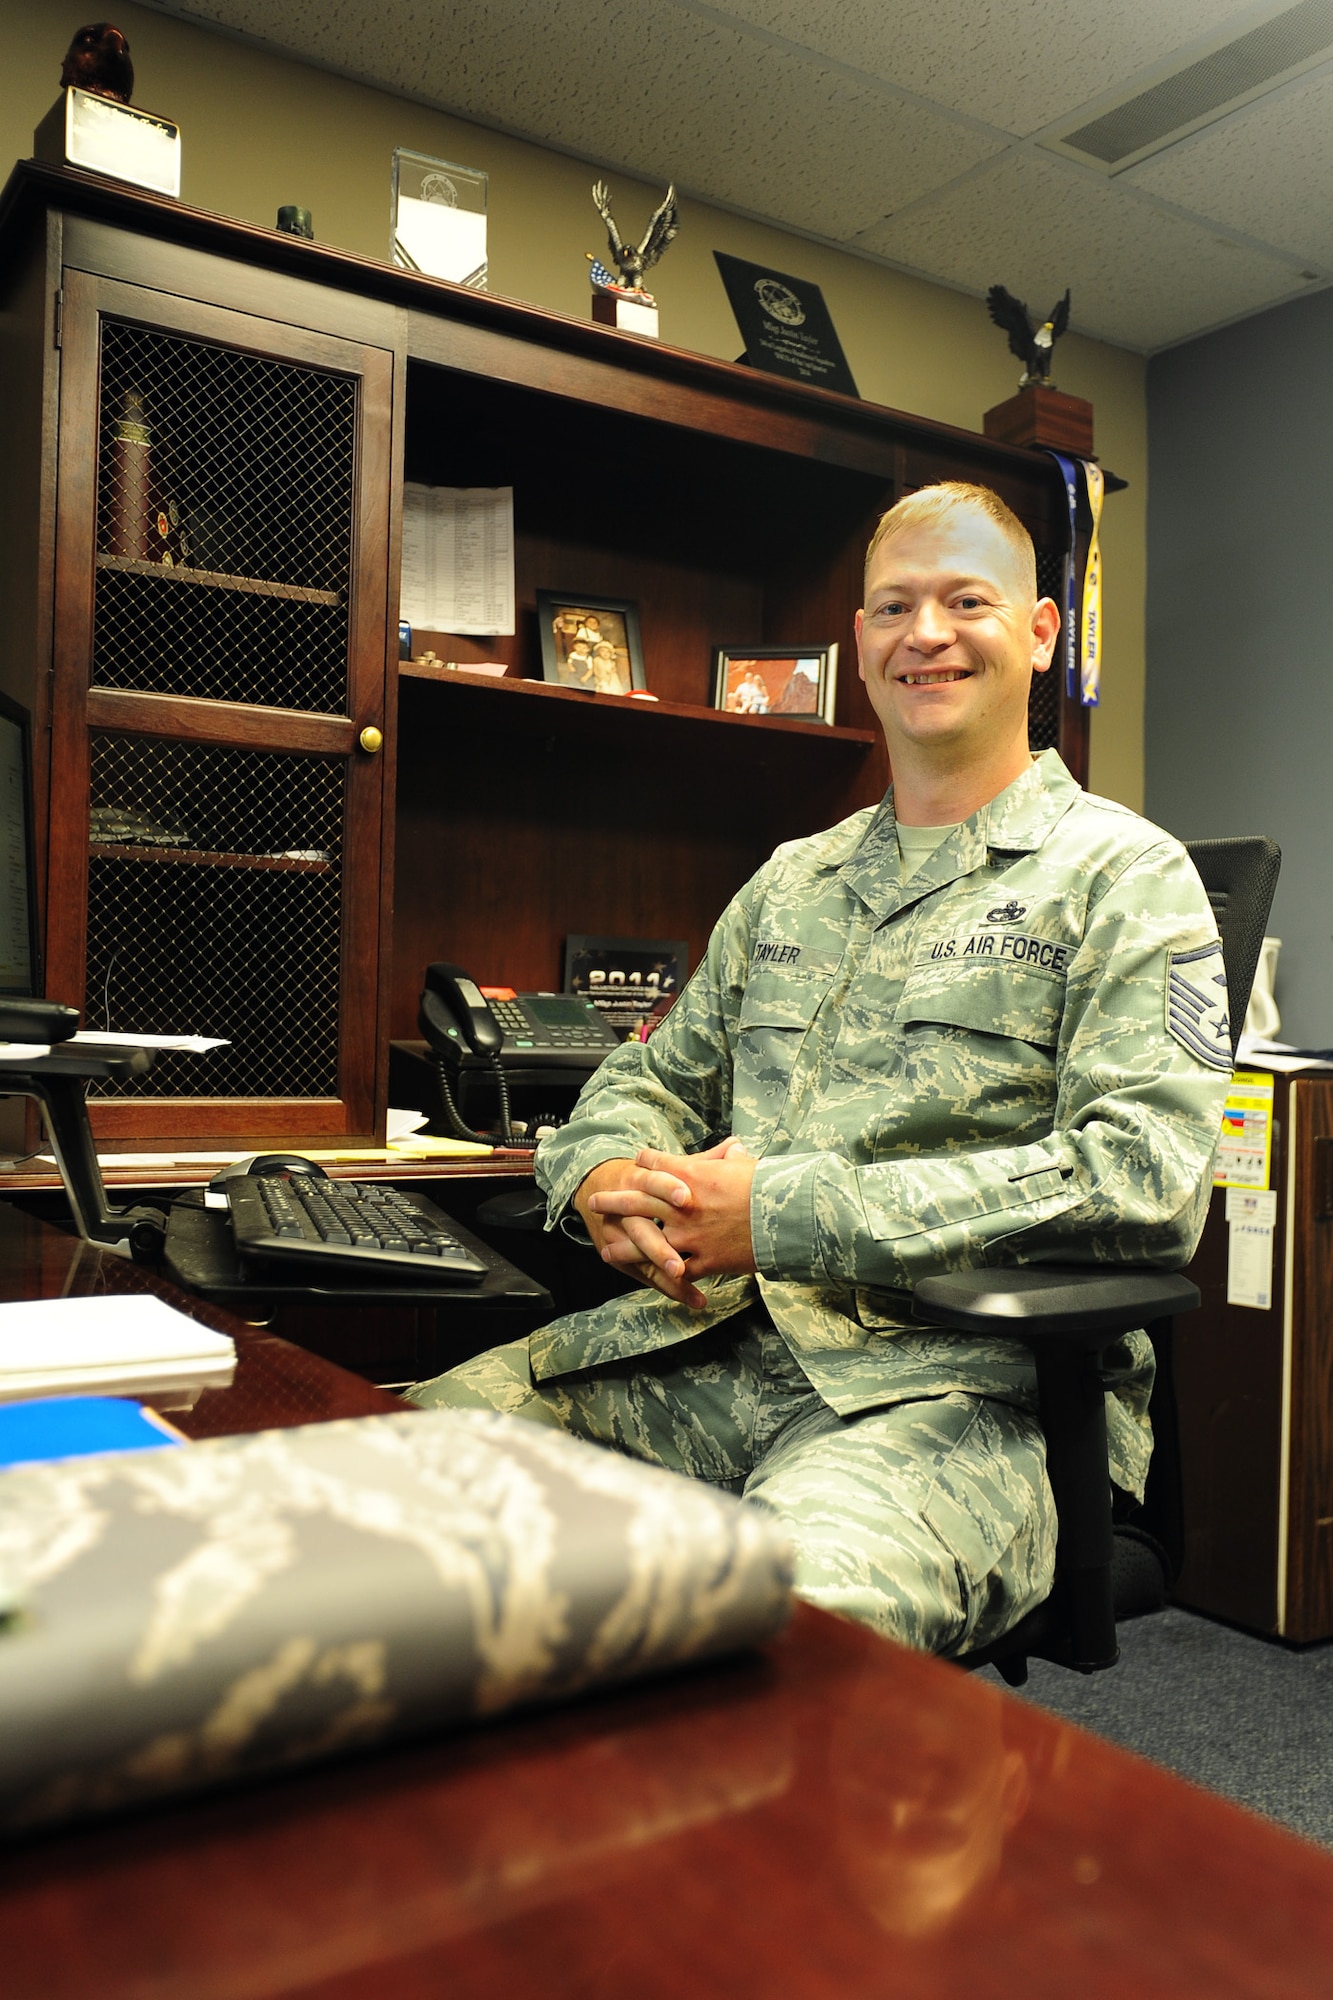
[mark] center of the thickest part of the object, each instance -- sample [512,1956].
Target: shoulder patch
[1196,1004]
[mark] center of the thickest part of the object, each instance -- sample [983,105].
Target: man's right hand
[634,1242]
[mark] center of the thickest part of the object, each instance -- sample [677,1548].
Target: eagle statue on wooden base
[1032,345]
[633,260]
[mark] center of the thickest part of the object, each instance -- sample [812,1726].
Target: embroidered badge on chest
[1196,1004]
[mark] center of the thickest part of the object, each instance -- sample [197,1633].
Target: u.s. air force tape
[1039,954]
[1196,1004]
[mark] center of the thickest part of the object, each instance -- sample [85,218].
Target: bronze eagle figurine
[98,59]
[1032,345]
[632,261]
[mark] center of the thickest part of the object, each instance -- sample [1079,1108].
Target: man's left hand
[710,1226]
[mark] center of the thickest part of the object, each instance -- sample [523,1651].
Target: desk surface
[275,1383]
[833,1820]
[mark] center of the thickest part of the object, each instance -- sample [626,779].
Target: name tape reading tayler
[768,952]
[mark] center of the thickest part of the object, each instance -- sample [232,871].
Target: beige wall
[258,131]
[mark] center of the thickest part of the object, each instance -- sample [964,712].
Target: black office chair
[1070,1315]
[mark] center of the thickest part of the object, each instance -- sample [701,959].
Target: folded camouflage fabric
[187,1618]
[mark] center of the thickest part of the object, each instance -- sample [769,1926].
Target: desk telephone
[511,1036]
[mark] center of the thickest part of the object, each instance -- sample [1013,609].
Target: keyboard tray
[347,1227]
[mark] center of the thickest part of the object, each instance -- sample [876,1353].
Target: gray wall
[1239,710]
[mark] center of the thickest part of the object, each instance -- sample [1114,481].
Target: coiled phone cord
[455,1121]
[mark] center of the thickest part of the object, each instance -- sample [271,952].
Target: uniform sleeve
[672,1093]
[1124,1176]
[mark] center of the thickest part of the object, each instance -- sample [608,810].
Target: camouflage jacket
[1019,1055]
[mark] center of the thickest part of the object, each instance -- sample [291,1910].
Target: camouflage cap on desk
[192,1617]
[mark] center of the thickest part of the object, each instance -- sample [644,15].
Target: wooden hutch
[224,849]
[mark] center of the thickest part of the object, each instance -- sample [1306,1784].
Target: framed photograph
[590,642]
[626,978]
[792,682]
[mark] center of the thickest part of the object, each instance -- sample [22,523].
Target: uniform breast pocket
[983,999]
[978,1058]
[777,1013]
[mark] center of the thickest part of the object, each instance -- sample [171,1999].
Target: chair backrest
[1239,876]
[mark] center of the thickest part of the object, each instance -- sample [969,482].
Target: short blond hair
[930,504]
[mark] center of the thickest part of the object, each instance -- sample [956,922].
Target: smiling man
[937,1036]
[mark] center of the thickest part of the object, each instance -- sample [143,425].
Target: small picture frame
[590,642]
[786,683]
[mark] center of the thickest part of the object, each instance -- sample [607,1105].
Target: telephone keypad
[519,1032]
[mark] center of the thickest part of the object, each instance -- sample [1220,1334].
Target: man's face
[950,636]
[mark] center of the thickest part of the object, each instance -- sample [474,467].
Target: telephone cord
[454,1119]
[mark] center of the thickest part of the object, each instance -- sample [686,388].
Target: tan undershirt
[916,844]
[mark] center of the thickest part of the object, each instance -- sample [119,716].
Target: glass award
[438,219]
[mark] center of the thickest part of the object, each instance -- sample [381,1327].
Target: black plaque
[785,325]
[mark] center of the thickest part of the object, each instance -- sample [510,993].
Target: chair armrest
[1067,1316]
[1076,1305]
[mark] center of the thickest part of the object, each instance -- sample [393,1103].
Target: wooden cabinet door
[218,830]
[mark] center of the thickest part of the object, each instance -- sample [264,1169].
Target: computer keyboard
[348,1226]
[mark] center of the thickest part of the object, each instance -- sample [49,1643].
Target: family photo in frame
[799,682]
[590,642]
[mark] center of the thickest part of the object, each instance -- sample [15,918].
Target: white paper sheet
[1251,1219]
[195,1045]
[134,1343]
[458,558]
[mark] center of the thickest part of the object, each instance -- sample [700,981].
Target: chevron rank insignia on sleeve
[1196,1004]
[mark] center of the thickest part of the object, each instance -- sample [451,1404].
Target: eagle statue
[632,261]
[98,59]
[1032,345]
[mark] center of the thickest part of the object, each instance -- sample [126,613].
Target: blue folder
[48,1427]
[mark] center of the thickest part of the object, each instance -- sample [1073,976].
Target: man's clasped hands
[669,1219]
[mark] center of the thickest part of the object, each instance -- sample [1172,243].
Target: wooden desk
[275,1383]
[403,1338]
[833,1820]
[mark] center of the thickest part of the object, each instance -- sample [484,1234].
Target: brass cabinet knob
[371,739]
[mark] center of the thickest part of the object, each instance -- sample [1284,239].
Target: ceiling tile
[1268,171]
[1139,276]
[1017,64]
[660,91]
[676,88]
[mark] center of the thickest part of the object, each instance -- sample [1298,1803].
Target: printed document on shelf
[458,559]
[195,1045]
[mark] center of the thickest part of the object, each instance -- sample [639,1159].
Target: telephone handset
[518,1037]
[454,1016]
[454,1009]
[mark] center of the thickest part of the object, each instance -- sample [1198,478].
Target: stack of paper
[134,1344]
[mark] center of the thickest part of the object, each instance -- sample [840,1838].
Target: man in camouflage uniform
[984,1022]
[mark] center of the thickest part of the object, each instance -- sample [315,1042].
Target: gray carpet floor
[1246,1717]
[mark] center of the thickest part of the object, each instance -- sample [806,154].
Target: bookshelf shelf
[580,707]
[209,579]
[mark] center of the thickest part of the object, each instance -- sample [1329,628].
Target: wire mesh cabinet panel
[217,850]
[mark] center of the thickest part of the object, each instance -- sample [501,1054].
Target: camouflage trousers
[931,1521]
